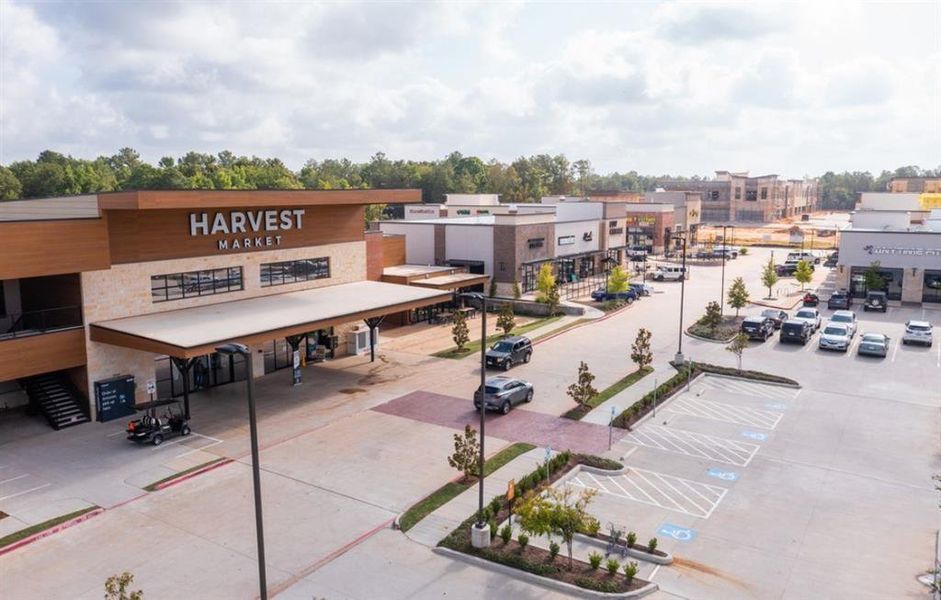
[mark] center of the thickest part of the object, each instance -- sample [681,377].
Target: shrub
[517,291]
[518,562]
[553,551]
[631,539]
[743,251]
[594,559]
[630,571]
[713,315]
[495,505]
[506,533]
[488,513]
[592,527]
[466,457]
[523,539]
[652,545]
[612,565]
[599,462]
[608,587]
[493,528]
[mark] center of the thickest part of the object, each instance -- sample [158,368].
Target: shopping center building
[112,299]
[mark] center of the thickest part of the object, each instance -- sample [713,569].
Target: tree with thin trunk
[466,457]
[582,391]
[560,511]
[873,277]
[640,351]
[506,320]
[459,332]
[713,316]
[737,347]
[545,282]
[804,273]
[618,280]
[769,276]
[738,295]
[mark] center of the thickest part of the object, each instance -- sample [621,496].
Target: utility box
[358,342]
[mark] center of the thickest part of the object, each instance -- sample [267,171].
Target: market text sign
[902,251]
[246,228]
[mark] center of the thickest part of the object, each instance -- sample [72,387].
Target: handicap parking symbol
[776,406]
[723,475]
[683,534]
[754,435]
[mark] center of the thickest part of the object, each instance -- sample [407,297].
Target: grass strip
[154,486]
[474,346]
[33,529]
[606,394]
[449,491]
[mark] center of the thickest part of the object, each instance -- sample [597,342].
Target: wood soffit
[194,199]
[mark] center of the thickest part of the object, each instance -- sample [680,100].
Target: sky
[680,88]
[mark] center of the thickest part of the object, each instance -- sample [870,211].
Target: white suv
[668,274]
[811,315]
[917,332]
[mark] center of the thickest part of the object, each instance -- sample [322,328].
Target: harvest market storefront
[150,279]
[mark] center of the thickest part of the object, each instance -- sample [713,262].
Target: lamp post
[245,353]
[679,347]
[480,532]
[725,250]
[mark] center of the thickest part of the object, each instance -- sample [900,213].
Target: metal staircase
[56,398]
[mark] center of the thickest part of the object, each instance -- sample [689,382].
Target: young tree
[552,300]
[582,391]
[769,276]
[493,288]
[804,273]
[873,278]
[738,295]
[737,347]
[713,315]
[517,291]
[640,351]
[116,588]
[560,511]
[466,457]
[506,320]
[545,282]
[459,332]
[618,280]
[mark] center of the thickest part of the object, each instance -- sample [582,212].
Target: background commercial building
[144,285]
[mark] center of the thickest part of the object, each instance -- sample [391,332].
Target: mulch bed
[723,332]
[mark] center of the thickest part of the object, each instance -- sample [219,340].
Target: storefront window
[195,283]
[891,278]
[932,287]
[293,271]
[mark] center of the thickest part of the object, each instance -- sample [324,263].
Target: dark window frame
[168,287]
[294,271]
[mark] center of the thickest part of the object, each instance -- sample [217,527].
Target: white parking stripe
[658,489]
[896,351]
[45,485]
[696,445]
[749,388]
[14,478]
[721,411]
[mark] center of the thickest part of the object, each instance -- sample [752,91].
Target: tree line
[526,179]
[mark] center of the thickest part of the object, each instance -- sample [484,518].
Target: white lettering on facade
[238,222]
[220,224]
[246,222]
[199,224]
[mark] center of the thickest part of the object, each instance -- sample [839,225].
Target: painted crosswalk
[697,445]
[747,388]
[721,411]
[656,489]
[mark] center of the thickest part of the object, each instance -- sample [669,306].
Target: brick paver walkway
[519,426]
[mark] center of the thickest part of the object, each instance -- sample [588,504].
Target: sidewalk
[788,294]
[602,414]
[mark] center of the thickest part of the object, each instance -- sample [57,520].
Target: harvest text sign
[246,228]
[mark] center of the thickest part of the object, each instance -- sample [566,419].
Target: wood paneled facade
[35,354]
[39,248]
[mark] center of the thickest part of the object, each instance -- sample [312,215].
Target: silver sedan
[874,344]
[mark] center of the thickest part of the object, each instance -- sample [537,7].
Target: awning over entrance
[191,332]
[453,281]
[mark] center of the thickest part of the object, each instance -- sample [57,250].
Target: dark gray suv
[509,351]
[758,328]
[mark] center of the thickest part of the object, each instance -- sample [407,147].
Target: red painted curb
[47,532]
[192,474]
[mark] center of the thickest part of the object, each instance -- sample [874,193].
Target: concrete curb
[769,305]
[632,552]
[52,530]
[171,482]
[705,339]
[793,386]
[566,588]
[606,316]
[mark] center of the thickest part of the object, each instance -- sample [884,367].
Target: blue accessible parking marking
[754,435]
[683,534]
[776,405]
[723,475]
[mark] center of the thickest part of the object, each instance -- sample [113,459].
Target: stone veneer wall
[124,291]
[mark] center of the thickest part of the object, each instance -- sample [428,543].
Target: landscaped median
[685,372]
[41,530]
[723,332]
[517,558]
[474,346]
[606,394]
[451,490]
[187,474]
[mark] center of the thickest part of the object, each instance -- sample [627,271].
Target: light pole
[725,250]
[679,347]
[242,349]
[480,532]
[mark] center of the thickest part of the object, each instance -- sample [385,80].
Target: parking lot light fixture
[682,234]
[480,533]
[243,351]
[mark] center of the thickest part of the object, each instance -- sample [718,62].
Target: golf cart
[876,301]
[153,428]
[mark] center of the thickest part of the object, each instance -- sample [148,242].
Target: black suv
[510,351]
[758,328]
[796,330]
[840,300]
[876,301]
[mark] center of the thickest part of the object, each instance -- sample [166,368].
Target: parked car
[153,428]
[876,301]
[796,330]
[503,393]
[811,299]
[641,289]
[846,317]
[758,328]
[510,351]
[777,316]
[917,332]
[810,257]
[835,336]
[664,273]
[727,251]
[840,299]
[832,260]
[811,315]
[785,270]
[603,295]
[874,344]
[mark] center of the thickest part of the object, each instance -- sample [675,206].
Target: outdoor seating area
[447,316]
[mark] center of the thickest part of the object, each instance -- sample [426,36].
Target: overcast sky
[655,87]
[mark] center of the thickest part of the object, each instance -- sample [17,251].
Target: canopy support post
[373,323]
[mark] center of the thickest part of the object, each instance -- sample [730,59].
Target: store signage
[114,398]
[463,211]
[536,243]
[587,236]
[639,220]
[566,240]
[616,231]
[422,211]
[248,222]
[901,251]
[481,211]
